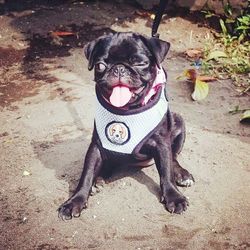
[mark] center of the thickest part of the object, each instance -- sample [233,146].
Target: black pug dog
[133,122]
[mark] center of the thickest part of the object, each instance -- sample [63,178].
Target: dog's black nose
[119,70]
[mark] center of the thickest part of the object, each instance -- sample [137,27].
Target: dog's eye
[141,64]
[138,61]
[100,67]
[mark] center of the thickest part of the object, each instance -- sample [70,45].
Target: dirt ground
[47,106]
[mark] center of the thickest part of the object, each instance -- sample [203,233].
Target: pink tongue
[120,96]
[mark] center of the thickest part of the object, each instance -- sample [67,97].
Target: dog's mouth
[121,95]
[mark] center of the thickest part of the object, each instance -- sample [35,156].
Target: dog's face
[125,66]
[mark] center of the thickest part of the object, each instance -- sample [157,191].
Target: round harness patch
[117,132]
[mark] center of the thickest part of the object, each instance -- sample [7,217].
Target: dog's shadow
[66,158]
[137,173]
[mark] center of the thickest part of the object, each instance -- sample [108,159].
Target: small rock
[24,219]
[74,234]
[26,173]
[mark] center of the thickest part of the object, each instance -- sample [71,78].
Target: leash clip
[155,35]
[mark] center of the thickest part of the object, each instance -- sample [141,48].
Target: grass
[228,55]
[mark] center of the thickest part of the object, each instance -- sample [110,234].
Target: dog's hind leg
[182,176]
[105,173]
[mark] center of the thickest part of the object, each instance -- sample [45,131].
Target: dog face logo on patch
[117,133]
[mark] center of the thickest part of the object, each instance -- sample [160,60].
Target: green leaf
[244,19]
[242,27]
[223,27]
[216,54]
[246,116]
[241,37]
[229,20]
[200,90]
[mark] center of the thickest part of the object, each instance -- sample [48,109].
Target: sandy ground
[46,103]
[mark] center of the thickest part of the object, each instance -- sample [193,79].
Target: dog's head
[125,66]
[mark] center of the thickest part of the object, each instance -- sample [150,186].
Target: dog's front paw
[72,207]
[175,202]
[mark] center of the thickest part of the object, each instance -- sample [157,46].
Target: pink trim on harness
[160,79]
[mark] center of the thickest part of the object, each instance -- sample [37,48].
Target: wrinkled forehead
[120,47]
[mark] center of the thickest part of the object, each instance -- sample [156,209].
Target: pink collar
[160,79]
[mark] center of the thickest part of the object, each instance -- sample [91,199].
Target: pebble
[26,173]
[24,220]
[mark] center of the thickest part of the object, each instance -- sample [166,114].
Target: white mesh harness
[121,131]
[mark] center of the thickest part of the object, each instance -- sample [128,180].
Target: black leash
[158,16]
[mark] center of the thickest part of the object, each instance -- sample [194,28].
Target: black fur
[131,58]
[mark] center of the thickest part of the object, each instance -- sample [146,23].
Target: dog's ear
[157,47]
[94,48]
[123,132]
[89,51]
[111,130]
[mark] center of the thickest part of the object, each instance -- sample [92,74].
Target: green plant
[228,56]
[243,26]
